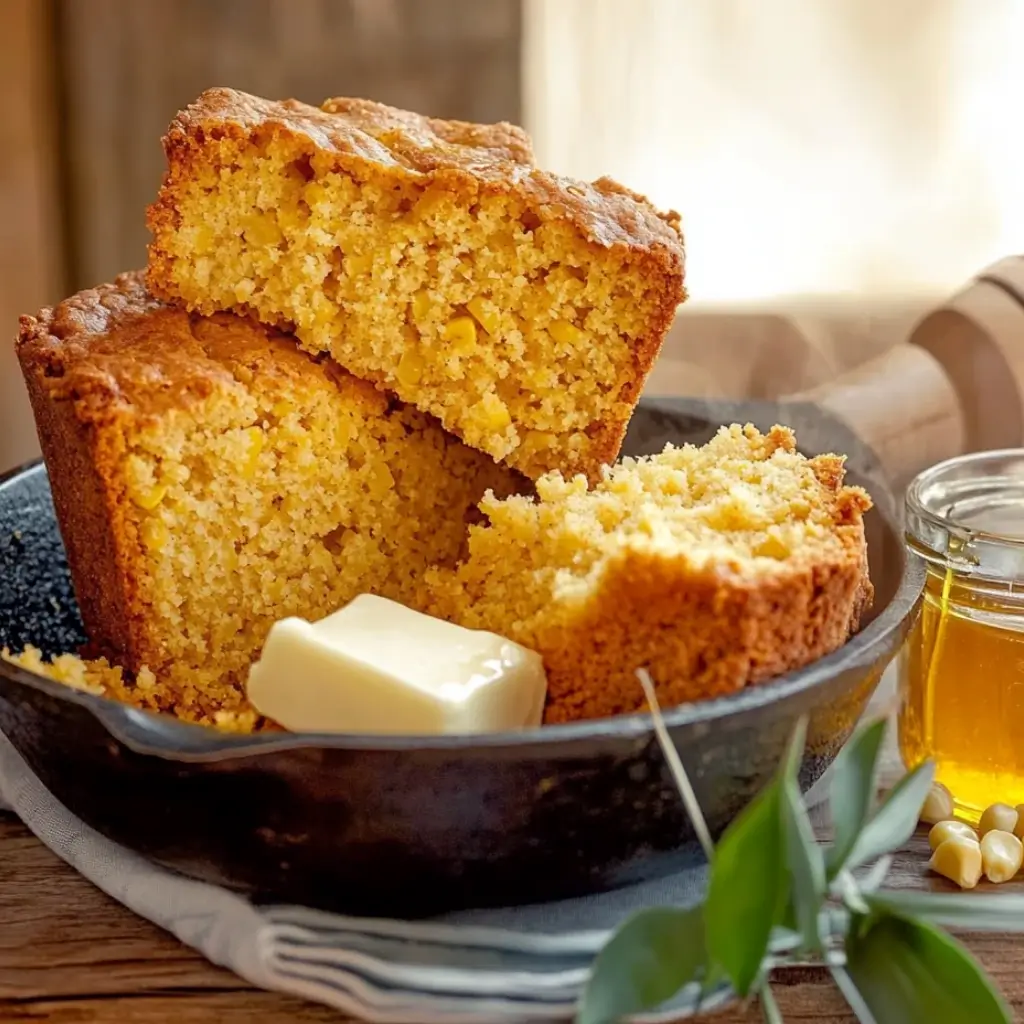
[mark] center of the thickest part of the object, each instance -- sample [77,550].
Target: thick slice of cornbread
[522,309]
[711,567]
[210,478]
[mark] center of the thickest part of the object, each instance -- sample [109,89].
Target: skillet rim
[130,725]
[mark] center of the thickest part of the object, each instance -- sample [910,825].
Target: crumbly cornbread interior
[746,512]
[260,505]
[141,689]
[239,481]
[745,503]
[522,337]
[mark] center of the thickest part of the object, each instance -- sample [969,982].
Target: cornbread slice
[712,567]
[522,309]
[210,478]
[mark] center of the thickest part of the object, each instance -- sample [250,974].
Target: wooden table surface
[69,954]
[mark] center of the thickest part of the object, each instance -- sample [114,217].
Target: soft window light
[857,146]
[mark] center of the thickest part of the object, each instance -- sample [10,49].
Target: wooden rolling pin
[916,389]
[956,386]
[771,350]
[903,404]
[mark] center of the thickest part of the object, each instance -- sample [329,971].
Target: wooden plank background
[127,67]
[30,258]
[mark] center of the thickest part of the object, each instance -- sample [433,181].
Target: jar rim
[967,509]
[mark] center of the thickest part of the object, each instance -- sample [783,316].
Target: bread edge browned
[608,438]
[89,500]
[499,159]
[699,635]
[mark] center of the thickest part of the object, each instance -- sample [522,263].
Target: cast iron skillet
[416,826]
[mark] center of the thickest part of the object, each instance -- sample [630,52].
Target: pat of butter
[377,666]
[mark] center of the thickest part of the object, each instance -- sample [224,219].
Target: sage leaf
[852,792]
[894,822]
[991,912]
[648,960]
[845,887]
[873,878]
[748,891]
[909,972]
[803,855]
[783,940]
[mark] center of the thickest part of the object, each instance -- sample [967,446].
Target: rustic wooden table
[69,954]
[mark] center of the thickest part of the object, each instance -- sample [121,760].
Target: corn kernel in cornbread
[210,478]
[521,309]
[712,567]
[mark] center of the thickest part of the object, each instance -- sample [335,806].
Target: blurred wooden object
[1007,273]
[849,356]
[29,246]
[978,337]
[903,405]
[744,353]
[769,349]
[129,67]
[919,381]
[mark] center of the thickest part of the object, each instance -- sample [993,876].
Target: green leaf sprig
[776,897]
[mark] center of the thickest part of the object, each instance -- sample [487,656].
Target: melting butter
[376,666]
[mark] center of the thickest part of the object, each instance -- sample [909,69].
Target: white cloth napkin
[510,964]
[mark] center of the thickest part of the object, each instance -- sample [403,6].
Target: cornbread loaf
[522,309]
[712,567]
[210,478]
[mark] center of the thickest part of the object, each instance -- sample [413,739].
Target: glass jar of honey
[961,673]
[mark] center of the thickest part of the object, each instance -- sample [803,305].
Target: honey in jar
[961,673]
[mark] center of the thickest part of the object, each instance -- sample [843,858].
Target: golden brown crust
[86,390]
[607,440]
[115,351]
[364,136]
[704,622]
[707,638]
[79,458]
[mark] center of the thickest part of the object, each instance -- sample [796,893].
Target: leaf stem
[845,886]
[853,998]
[770,1008]
[682,780]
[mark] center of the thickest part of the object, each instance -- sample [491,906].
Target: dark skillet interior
[393,826]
